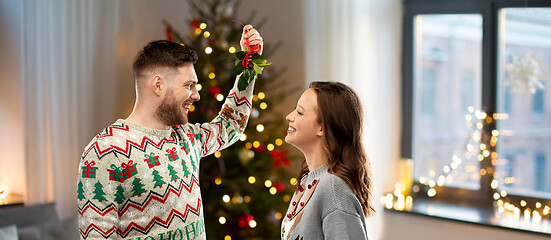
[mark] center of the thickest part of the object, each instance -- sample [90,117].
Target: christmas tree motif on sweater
[99,192]
[80,191]
[186,169]
[193,163]
[158,179]
[152,160]
[172,155]
[119,195]
[89,171]
[173,173]
[137,189]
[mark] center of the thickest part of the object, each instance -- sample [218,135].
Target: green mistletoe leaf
[257,69]
[237,69]
[245,79]
[240,54]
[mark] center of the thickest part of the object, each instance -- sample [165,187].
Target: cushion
[28,215]
[8,232]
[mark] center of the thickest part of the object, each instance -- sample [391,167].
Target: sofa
[36,222]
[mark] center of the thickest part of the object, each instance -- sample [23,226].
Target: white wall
[12,144]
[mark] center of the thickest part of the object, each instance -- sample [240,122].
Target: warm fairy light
[486,153]
[389,197]
[198,87]
[482,146]
[471,109]
[470,147]
[208,50]
[546,210]
[212,75]
[522,203]
[482,172]
[286,198]
[261,95]
[203,25]
[252,223]
[277,216]
[243,137]
[494,184]
[270,147]
[197,31]
[259,127]
[279,142]
[268,183]
[432,183]
[503,193]
[480,157]
[432,173]
[206,34]
[273,190]
[248,145]
[496,196]
[222,220]
[227,237]
[446,169]
[247,199]
[226,198]
[263,105]
[252,179]
[191,108]
[217,154]
[231,50]
[218,181]
[431,192]
[479,125]
[3,193]
[422,180]
[538,204]
[220,97]
[293,181]
[256,144]
[255,97]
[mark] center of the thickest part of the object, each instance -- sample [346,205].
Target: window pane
[447,94]
[524,145]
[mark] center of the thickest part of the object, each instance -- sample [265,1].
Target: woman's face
[304,130]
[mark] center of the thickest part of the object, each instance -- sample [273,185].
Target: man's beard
[170,112]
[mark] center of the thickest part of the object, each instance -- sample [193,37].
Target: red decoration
[280,157]
[172,156]
[260,148]
[89,171]
[116,173]
[194,23]
[214,91]
[152,160]
[280,187]
[129,169]
[168,31]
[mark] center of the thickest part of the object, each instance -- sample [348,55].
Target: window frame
[489,11]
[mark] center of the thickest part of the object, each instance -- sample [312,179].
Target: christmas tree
[99,192]
[158,179]
[246,188]
[80,191]
[173,176]
[138,187]
[119,195]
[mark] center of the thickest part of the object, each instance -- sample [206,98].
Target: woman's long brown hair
[341,116]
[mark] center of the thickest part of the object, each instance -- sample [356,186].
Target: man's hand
[254,38]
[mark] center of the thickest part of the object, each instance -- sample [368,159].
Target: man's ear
[157,84]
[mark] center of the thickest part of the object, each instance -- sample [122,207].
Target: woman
[333,196]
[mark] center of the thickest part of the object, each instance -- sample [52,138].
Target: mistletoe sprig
[250,64]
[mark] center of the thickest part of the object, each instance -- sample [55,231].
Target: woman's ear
[320,131]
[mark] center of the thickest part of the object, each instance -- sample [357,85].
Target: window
[477,125]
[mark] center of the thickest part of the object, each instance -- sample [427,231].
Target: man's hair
[163,54]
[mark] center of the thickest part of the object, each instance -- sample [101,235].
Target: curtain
[358,42]
[69,57]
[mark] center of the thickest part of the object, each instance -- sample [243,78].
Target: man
[138,178]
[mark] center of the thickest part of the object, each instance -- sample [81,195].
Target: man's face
[180,95]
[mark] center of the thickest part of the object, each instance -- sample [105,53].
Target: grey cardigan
[325,209]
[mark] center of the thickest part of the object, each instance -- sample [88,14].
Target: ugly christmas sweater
[143,184]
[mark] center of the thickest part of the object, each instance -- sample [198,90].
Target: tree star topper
[524,74]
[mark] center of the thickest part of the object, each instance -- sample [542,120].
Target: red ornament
[261,148]
[280,158]
[214,91]
[280,187]
[194,23]
[168,31]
